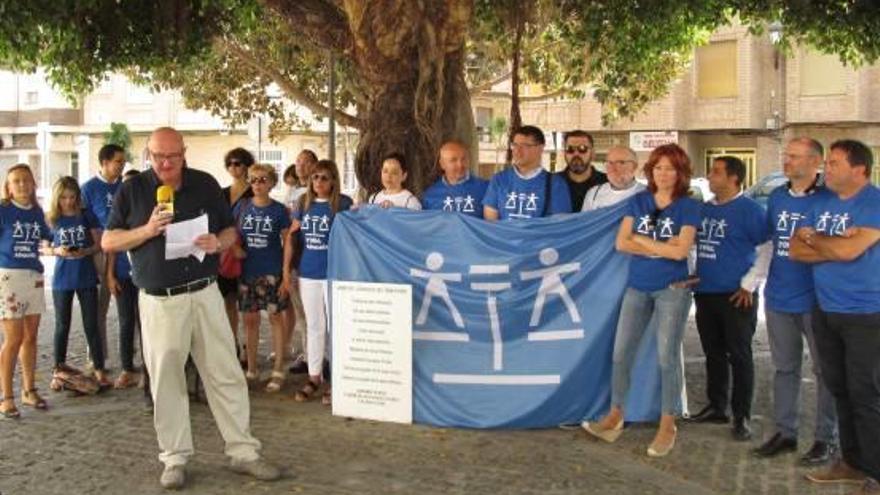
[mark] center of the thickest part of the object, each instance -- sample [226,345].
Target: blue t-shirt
[517,198]
[465,197]
[260,230]
[314,232]
[651,273]
[789,287]
[74,231]
[97,197]
[726,242]
[854,286]
[21,230]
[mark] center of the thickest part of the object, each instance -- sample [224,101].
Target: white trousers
[314,298]
[173,327]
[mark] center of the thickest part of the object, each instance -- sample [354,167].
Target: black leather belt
[182,289]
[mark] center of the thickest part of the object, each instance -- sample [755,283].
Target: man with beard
[579,173]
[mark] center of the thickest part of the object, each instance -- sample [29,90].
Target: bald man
[620,167]
[456,190]
[179,302]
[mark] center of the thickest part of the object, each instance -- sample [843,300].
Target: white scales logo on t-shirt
[458,203]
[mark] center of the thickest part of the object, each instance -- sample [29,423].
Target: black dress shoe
[775,446]
[709,414]
[741,429]
[819,453]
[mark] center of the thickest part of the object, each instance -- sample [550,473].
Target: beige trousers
[194,323]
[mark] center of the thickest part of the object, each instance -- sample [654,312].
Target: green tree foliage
[120,136]
[405,68]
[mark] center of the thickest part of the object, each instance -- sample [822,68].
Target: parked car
[698,189]
[760,191]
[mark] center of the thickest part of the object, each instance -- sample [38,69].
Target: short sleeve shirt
[465,197]
[852,286]
[199,194]
[315,226]
[21,230]
[651,273]
[74,231]
[515,197]
[260,229]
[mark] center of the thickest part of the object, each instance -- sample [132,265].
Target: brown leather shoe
[839,472]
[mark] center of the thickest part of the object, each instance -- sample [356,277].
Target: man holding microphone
[178,301]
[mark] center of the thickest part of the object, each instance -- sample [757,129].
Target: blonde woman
[22,227]
[75,238]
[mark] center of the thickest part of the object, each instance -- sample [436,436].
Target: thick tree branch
[322,21]
[290,89]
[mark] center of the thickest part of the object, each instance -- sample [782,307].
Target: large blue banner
[513,322]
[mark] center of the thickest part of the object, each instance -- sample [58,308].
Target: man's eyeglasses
[258,180]
[171,157]
[320,178]
[617,163]
[583,148]
[233,163]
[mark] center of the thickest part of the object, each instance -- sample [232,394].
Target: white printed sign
[372,351]
[647,141]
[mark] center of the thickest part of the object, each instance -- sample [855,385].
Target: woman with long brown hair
[658,232]
[313,220]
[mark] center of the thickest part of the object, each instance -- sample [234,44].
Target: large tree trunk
[411,57]
[397,122]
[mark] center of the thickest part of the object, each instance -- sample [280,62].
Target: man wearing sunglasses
[579,173]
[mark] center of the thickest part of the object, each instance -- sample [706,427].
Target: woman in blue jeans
[658,231]
[74,241]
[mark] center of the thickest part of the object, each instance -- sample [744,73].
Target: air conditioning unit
[772,124]
[5,141]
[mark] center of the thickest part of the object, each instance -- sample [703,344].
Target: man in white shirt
[620,166]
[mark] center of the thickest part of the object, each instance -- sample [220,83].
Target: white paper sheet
[180,238]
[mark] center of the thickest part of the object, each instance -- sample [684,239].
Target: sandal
[126,379]
[276,382]
[10,412]
[327,397]
[252,377]
[32,398]
[307,391]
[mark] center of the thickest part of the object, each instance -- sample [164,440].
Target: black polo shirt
[578,190]
[199,193]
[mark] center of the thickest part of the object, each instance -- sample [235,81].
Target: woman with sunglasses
[658,231]
[262,225]
[237,161]
[313,220]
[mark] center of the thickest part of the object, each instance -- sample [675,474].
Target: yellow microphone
[165,197]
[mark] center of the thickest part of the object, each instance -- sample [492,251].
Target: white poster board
[372,351]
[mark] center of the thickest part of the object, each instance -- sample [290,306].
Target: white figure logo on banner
[436,287]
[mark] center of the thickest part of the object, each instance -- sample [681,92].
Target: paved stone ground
[106,444]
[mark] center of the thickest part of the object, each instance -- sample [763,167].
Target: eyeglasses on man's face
[169,157]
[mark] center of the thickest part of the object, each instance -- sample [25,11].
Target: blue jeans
[787,332]
[671,306]
[88,304]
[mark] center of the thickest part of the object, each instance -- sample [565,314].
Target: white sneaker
[173,477]
[258,468]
